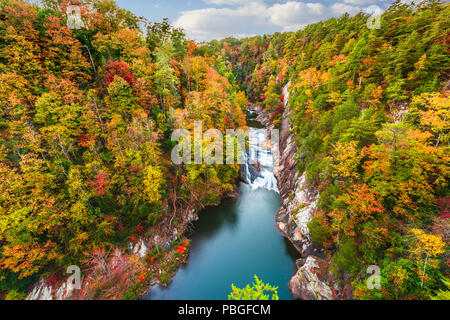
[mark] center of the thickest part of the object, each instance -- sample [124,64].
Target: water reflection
[230,244]
[236,240]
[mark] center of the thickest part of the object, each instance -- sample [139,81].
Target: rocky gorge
[312,281]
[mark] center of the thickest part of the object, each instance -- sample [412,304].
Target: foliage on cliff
[257,65]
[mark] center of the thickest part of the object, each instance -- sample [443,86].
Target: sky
[204,20]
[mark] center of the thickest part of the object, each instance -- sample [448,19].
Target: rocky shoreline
[61,290]
[299,200]
[45,289]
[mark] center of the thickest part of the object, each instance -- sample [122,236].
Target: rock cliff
[299,200]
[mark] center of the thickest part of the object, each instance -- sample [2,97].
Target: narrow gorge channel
[238,239]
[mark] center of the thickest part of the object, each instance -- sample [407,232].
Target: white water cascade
[258,153]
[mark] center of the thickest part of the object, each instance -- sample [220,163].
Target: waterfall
[264,177]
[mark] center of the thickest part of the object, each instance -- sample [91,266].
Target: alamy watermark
[374,21]
[74,21]
[74,280]
[213,147]
[374,280]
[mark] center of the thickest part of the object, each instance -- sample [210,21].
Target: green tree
[257,291]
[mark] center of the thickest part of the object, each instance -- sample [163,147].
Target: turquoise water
[230,244]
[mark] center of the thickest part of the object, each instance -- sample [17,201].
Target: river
[236,240]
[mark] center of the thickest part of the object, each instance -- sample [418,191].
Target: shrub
[345,257]
[133,292]
[318,233]
[16,295]
[258,291]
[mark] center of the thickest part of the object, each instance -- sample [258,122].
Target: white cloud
[358,2]
[341,8]
[211,23]
[230,2]
[248,17]
[292,14]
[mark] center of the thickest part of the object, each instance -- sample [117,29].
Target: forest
[85,144]
[371,119]
[85,141]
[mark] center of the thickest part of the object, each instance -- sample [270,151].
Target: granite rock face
[306,285]
[254,173]
[41,291]
[299,200]
[45,291]
[140,249]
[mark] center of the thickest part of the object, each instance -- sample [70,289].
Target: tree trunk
[425,269]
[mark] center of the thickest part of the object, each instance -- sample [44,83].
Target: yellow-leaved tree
[153,183]
[425,249]
[346,159]
[435,114]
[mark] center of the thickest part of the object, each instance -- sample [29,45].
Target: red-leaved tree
[118,69]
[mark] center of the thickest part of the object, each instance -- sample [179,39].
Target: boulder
[306,285]
[41,291]
[140,249]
